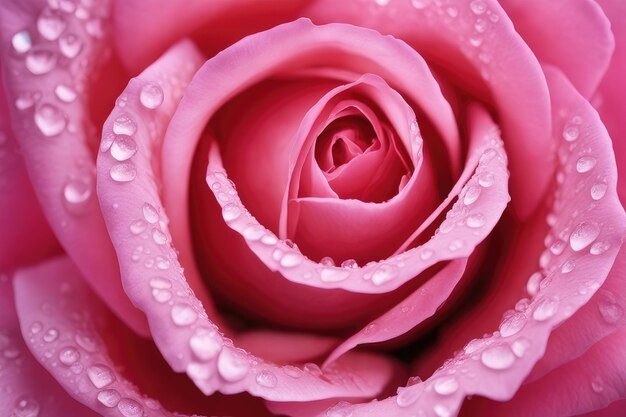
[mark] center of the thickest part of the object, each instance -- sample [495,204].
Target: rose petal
[54,137]
[471,40]
[583,34]
[27,388]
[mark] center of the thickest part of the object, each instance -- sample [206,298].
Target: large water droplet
[100,375]
[183,315]
[124,125]
[151,96]
[512,324]
[26,407]
[545,308]
[206,344]
[233,364]
[40,61]
[291,259]
[583,235]
[50,24]
[471,195]
[50,120]
[446,385]
[123,172]
[598,190]
[130,408]
[68,355]
[266,379]
[65,93]
[498,357]
[70,45]
[109,397]
[21,42]
[585,164]
[76,193]
[123,147]
[159,237]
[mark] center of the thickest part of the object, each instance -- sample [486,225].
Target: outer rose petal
[55,137]
[26,387]
[566,33]
[19,209]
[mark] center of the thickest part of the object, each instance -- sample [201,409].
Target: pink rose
[312,208]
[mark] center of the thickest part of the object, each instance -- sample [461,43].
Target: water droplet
[68,356]
[151,96]
[123,172]
[567,267]
[349,264]
[478,7]
[109,397]
[446,385]
[95,28]
[532,286]
[100,375]
[36,327]
[441,410]
[583,235]
[291,259]
[480,25]
[570,133]
[585,164]
[206,344]
[161,295]
[162,263]
[520,346]
[50,120]
[26,407]
[498,357]
[124,125]
[40,61]
[420,4]
[599,248]
[231,212]
[455,245]
[384,273]
[233,364]
[426,254]
[598,191]
[138,227]
[130,408]
[557,247]
[545,308]
[407,396]
[327,261]
[159,237]
[512,324]
[608,307]
[65,93]
[475,221]
[471,195]
[183,315]
[50,24]
[150,213]
[333,274]
[70,45]
[266,379]
[51,335]
[21,42]
[123,147]
[292,371]
[77,192]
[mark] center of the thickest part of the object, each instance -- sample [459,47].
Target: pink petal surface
[479,47]
[610,99]
[19,209]
[580,39]
[496,366]
[55,134]
[137,222]
[26,388]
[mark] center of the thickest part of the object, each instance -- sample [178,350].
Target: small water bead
[333,274]
[50,24]
[567,267]
[269,239]
[266,379]
[520,346]
[68,355]
[123,147]
[545,308]
[183,315]
[478,7]
[498,357]
[597,385]
[231,212]
[327,261]
[162,263]
[151,96]
[292,371]
[150,213]
[36,327]
[40,61]
[608,307]
[349,264]
[159,237]
[123,172]
[233,364]
[557,247]
[471,195]
[598,191]
[570,133]
[26,407]
[599,248]
[161,295]
[109,397]
[384,273]
[77,192]
[475,221]
[455,245]
[407,396]
[446,385]
[21,42]
[585,164]
[583,235]
[206,344]
[51,335]
[532,286]
[426,254]
[124,125]
[50,120]
[291,259]
[441,410]
[512,324]
[100,375]
[65,93]
[130,408]
[70,45]
[86,341]
[138,226]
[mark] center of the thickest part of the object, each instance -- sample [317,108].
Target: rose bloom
[377,208]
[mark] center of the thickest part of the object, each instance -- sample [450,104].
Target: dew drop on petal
[50,25]
[327,261]
[598,248]
[349,264]
[407,396]
[100,375]
[557,247]
[50,120]
[124,125]
[109,397]
[512,324]
[292,371]
[51,335]
[183,315]
[475,221]
[26,407]
[231,212]
[455,245]
[130,408]
[77,192]
[441,410]
[478,7]
[70,45]
[21,42]
[65,93]
[36,327]
[426,254]
[570,133]
[123,172]
[68,355]
[150,213]
[471,195]
[266,379]
[498,357]
[291,259]
[384,273]
[151,96]
[138,227]
[40,61]
[420,4]
[545,308]
[583,235]
[532,286]
[123,147]
[446,385]
[232,364]
[598,191]
[568,266]
[520,346]
[333,274]
[107,141]
[585,164]
[159,237]
[206,344]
